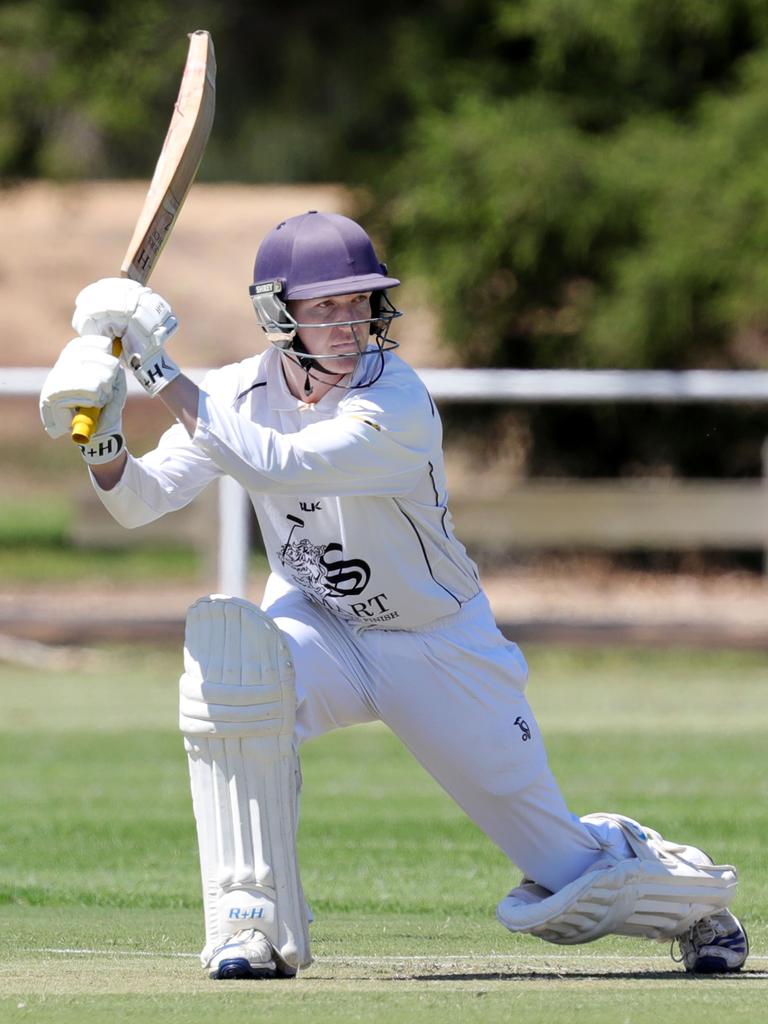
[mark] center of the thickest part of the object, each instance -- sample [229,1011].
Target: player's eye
[319,309]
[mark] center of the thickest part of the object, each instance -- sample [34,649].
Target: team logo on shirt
[524,728]
[344,577]
[321,571]
[320,568]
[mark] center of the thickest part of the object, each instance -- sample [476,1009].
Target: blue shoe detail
[238,967]
[712,965]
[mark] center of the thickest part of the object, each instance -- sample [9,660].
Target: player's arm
[366,450]
[109,475]
[355,453]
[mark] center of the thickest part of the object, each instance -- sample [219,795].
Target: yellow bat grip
[86,419]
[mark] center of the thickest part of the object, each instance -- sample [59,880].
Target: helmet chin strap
[309,362]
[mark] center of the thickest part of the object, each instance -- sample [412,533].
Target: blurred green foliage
[86,86]
[36,546]
[597,194]
[578,183]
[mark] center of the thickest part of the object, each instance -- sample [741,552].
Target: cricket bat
[175,171]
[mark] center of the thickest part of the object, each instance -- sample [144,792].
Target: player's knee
[238,678]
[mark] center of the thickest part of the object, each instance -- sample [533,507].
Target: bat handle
[86,419]
[84,424]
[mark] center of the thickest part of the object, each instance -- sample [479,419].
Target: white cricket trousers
[454,695]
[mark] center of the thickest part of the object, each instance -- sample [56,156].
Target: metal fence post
[234,513]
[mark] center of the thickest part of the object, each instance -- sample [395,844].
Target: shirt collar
[280,398]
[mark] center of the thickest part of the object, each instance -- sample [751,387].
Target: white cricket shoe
[247,954]
[714,945]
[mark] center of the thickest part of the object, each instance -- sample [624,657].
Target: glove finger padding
[148,329]
[121,308]
[150,326]
[106,306]
[86,374]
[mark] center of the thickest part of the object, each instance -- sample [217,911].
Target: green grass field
[35,547]
[98,873]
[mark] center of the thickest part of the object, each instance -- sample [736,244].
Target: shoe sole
[239,968]
[713,965]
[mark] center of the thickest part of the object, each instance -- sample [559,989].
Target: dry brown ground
[574,603]
[57,238]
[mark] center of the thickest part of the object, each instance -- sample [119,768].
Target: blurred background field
[67,570]
[558,184]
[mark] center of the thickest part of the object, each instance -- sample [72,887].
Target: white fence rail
[527,386]
[513,386]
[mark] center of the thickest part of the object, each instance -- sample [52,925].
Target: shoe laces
[701,933]
[704,931]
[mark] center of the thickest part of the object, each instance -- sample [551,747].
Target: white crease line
[341,959]
[104,952]
[514,959]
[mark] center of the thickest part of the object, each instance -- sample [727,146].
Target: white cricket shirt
[349,492]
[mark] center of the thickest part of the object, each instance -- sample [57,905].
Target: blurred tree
[86,87]
[579,183]
[585,184]
[84,84]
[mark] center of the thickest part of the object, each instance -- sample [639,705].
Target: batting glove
[87,375]
[143,321]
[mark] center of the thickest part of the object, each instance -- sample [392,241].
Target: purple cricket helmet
[318,254]
[313,256]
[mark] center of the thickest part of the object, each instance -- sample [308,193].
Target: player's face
[333,336]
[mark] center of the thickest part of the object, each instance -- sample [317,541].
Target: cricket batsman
[373,611]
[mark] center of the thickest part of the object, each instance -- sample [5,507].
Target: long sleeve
[163,480]
[360,451]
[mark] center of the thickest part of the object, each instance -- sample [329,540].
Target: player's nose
[341,319]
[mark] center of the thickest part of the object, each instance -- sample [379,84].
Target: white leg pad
[237,713]
[657,894]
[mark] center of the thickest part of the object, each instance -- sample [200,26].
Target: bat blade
[174,173]
[179,159]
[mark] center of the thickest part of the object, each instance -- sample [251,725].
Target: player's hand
[86,375]
[140,318]
[120,308]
